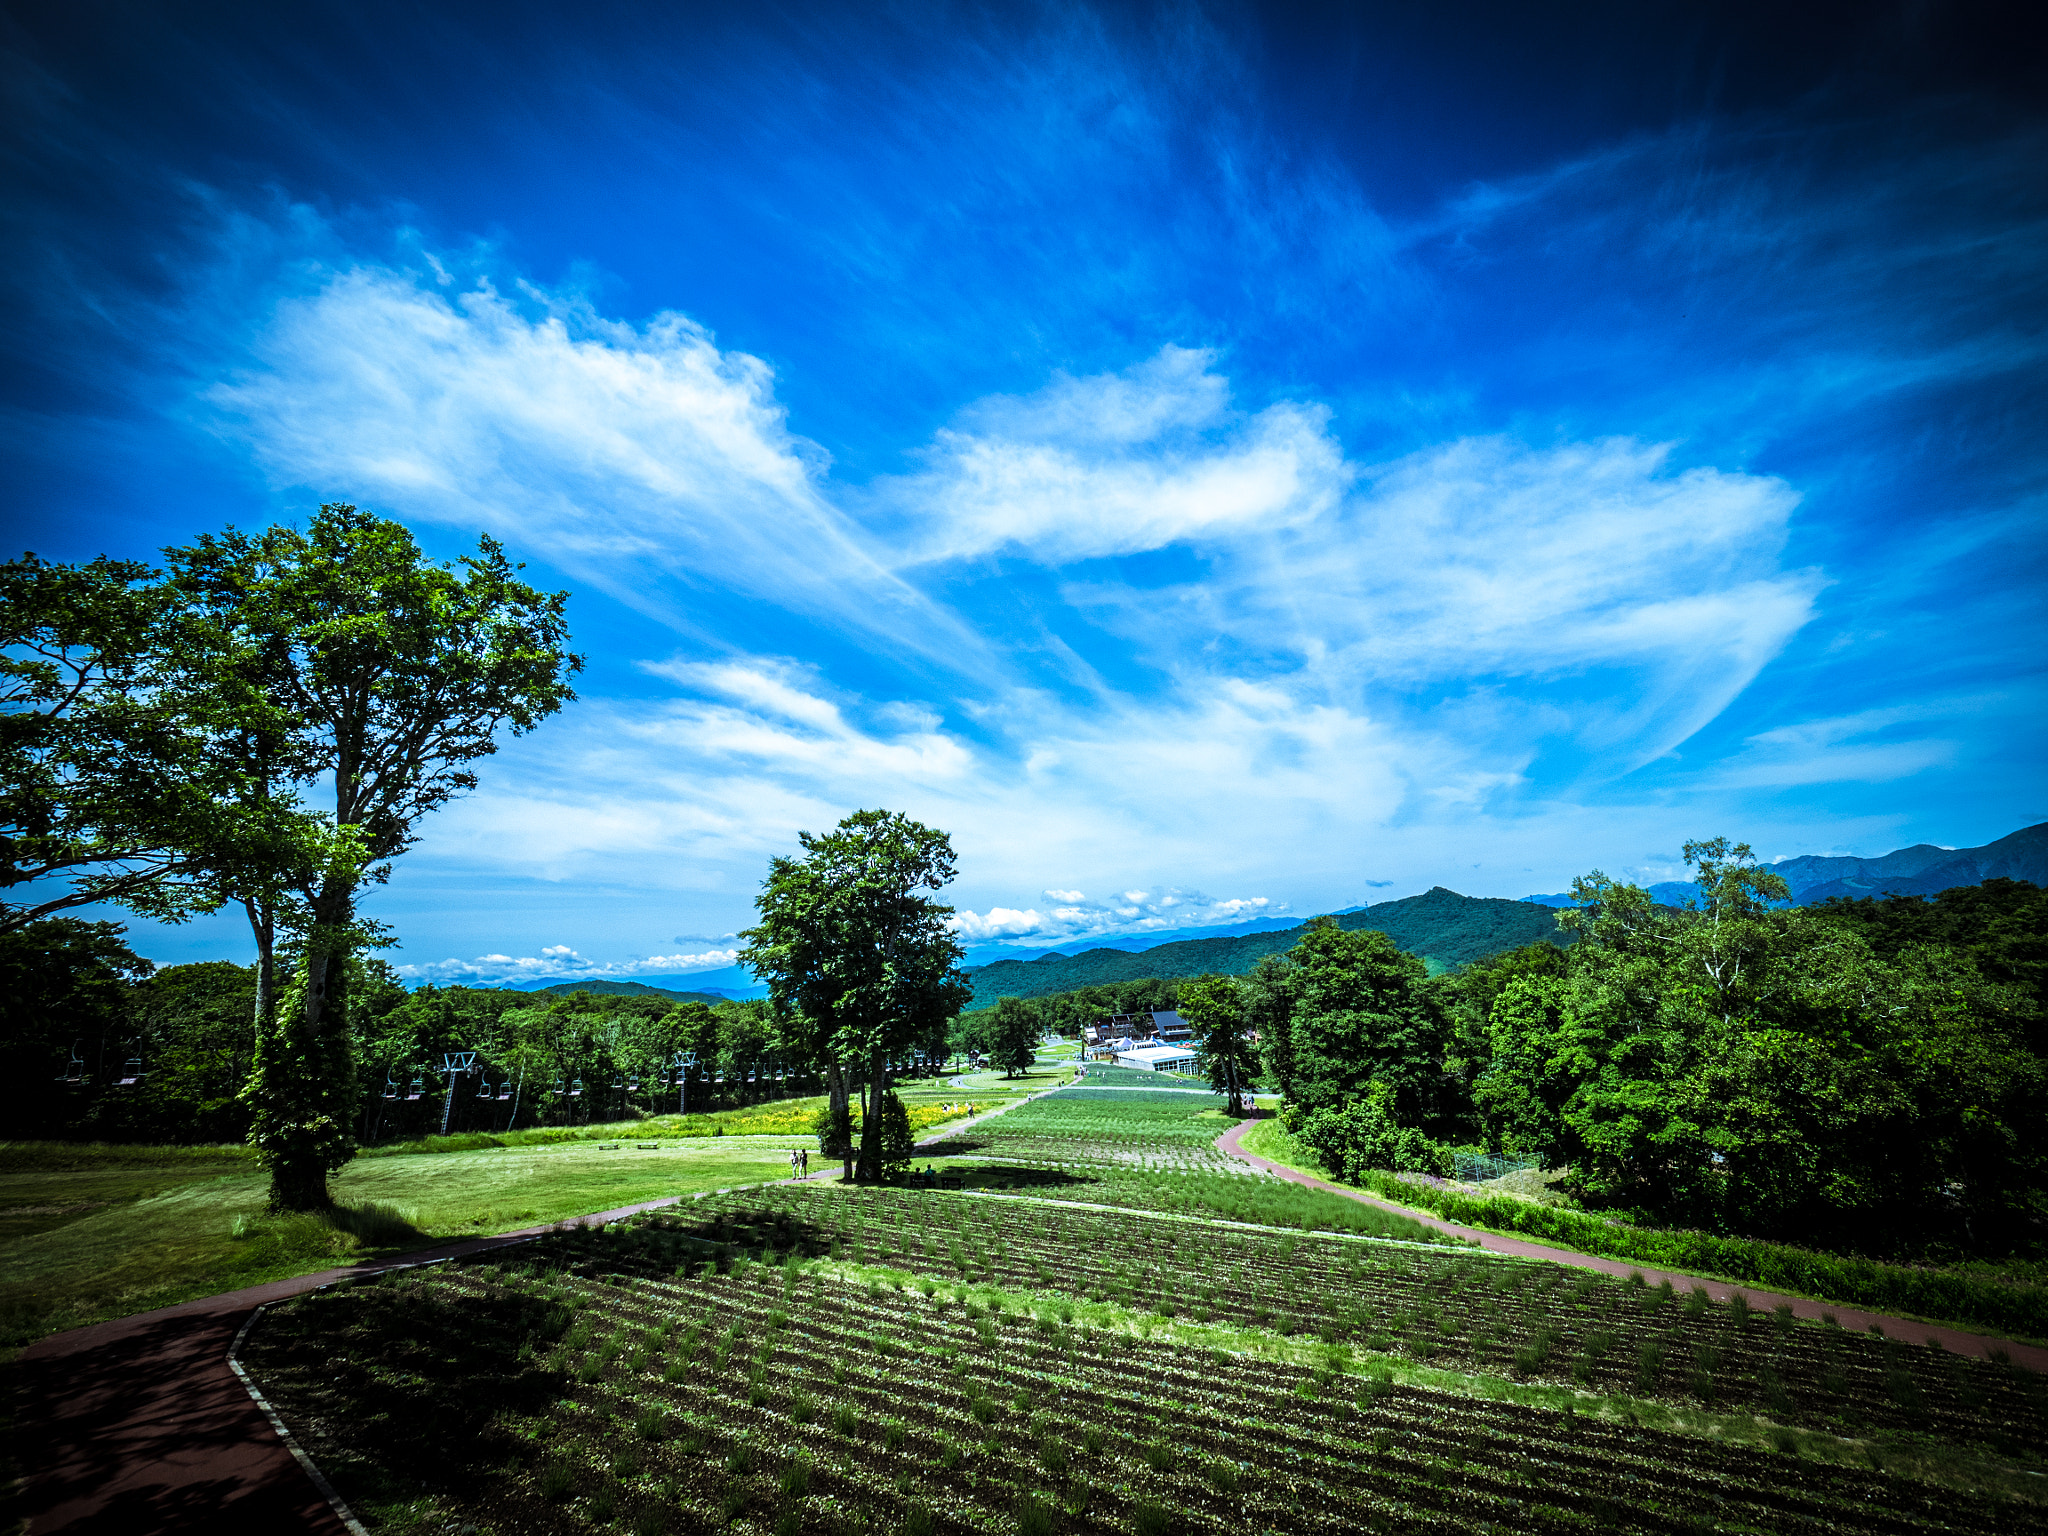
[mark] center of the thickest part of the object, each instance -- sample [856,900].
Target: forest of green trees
[75,992]
[1870,1075]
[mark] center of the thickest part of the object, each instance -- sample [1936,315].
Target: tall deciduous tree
[1013,1036]
[348,660]
[849,938]
[1215,1008]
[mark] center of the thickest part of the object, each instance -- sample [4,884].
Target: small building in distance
[1115,1033]
[1160,1058]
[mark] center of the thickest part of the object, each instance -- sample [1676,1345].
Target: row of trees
[73,992]
[1869,1075]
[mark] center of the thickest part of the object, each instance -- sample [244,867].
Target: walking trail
[1904,1329]
[140,1425]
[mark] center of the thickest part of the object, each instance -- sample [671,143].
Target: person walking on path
[792,1164]
[803,1162]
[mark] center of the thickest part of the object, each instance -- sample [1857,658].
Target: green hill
[1439,925]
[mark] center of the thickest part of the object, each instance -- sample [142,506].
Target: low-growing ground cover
[1148,1150]
[625,1381]
[208,1234]
[1217,1193]
[1458,1310]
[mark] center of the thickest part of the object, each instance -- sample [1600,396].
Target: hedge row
[2008,1309]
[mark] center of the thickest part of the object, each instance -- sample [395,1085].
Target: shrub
[1033,1515]
[1159,1455]
[1151,1519]
[796,1478]
[845,1419]
[1958,1297]
[557,1480]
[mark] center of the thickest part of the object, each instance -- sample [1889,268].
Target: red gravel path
[138,1425]
[1904,1329]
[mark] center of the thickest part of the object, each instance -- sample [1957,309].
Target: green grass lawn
[110,1236]
[980,1085]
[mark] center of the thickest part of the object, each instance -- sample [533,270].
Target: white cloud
[1119,463]
[1369,667]
[644,459]
[1833,751]
[558,960]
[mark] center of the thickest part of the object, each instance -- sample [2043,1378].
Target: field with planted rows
[1111,1333]
[1526,1319]
[1150,1151]
[590,1386]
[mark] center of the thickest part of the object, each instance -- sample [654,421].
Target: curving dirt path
[1904,1329]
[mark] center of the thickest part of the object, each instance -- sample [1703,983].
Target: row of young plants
[2014,1310]
[1478,1312]
[1204,1185]
[778,1398]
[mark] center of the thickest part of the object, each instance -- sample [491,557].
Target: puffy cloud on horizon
[558,960]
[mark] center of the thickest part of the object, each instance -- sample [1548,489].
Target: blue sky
[1216,462]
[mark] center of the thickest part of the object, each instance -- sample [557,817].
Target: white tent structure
[1160,1058]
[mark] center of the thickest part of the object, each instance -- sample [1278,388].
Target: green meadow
[98,1232]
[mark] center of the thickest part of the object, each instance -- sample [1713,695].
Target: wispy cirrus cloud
[642,458]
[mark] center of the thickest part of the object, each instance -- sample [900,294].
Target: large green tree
[1013,1035]
[1215,1009]
[345,659]
[850,938]
[1361,1014]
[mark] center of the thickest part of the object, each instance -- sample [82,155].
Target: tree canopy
[850,939]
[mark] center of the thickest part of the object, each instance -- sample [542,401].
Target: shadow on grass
[375,1225]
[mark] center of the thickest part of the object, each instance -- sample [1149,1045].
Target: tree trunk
[871,1121]
[835,1087]
[304,1084]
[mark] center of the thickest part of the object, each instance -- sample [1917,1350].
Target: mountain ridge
[1439,925]
[1924,869]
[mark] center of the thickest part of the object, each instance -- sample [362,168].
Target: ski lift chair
[418,1090]
[74,1069]
[576,1088]
[390,1085]
[505,1091]
[131,1074]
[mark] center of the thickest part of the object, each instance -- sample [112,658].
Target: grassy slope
[1440,925]
[89,1232]
[178,1241]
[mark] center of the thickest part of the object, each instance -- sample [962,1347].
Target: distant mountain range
[1439,925]
[1921,870]
[624,989]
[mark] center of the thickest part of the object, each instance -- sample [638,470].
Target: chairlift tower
[454,1063]
[682,1062]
